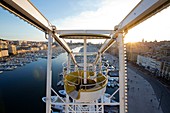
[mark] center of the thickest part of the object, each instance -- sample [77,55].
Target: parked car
[113,75]
[111,68]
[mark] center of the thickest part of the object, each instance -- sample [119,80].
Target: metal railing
[89,86]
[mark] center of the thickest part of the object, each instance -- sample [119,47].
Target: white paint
[85,61]
[121,73]
[49,75]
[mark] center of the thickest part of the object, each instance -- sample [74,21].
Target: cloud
[108,14]
[111,12]
[155,28]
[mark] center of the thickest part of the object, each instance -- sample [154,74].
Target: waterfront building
[15,42]
[12,49]
[165,72]
[24,43]
[41,48]
[157,67]
[4,53]
[155,59]
[44,46]
[34,48]
[134,49]
[3,44]
[166,51]
[22,51]
[142,61]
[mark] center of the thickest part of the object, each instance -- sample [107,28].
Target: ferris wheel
[85,89]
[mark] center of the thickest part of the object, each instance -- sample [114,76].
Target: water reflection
[39,73]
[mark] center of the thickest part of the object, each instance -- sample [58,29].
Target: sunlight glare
[131,36]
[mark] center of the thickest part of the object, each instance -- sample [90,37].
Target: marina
[16,86]
[36,73]
[19,60]
[58,83]
[12,63]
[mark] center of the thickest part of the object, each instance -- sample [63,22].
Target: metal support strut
[68,71]
[85,60]
[121,73]
[100,62]
[49,74]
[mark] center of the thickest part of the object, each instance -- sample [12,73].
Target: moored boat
[54,99]
[62,92]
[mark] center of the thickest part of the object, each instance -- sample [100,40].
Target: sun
[132,36]
[130,39]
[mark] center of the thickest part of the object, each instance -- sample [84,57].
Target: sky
[86,14]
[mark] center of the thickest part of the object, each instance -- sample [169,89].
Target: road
[151,88]
[160,90]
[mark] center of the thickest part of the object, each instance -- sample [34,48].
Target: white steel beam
[63,44]
[68,71]
[100,60]
[85,31]
[107,44]
[97,58]
[85,60]
[29,13]
[121,73]
[144,10]
[68,64]
[94,70]
[81,103]
[97,107]
[88,53]
[102,106]
[26,11]
[49,75]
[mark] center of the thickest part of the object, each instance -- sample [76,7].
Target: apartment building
[12,49]
[3,53]
[149,63]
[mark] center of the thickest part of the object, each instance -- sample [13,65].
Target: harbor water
[22,89]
